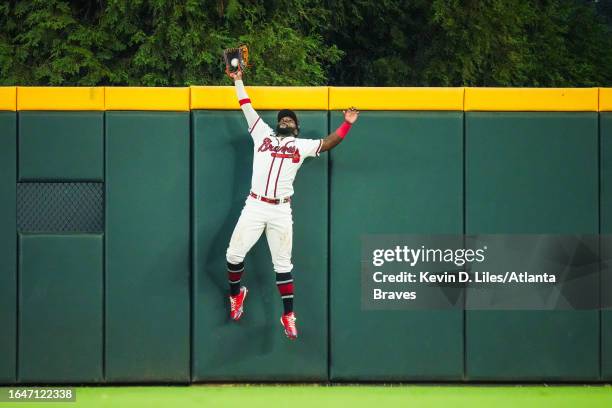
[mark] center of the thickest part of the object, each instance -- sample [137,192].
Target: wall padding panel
[60,308]
[61,146]
[8,246]
[532,173]
[606,229]
[396,173]
[255,348]
[147,247]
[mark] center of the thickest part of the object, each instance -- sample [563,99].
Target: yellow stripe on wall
[147,98]
[306,98]
[213,97]
[605,99]
[262,97]
[8,98]
[60,98]
[531,99]
[396,98]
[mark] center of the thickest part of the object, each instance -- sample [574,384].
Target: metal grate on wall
[60,207]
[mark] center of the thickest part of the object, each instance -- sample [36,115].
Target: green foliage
[474,43]
[160,42]
[308,42]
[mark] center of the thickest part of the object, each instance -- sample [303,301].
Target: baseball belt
[270,200]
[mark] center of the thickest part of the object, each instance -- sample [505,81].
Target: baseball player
[277,155]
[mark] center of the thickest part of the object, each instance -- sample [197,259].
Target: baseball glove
[241,54]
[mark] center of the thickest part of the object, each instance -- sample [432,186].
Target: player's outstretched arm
[245,103]
[334,138]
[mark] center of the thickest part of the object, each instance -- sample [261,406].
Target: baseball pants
[256,217]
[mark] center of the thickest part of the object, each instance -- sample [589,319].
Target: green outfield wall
[531,173]
[401,174]
[8,246]
[605,146]
[60,308]
[147,253]
[117,205]
[255,348]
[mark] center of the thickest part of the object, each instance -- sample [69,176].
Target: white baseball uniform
[276,161]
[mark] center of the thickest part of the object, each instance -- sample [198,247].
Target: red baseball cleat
[288,322]
[237,302]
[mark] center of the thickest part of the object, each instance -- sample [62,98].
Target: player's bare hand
[351,114]
[236,76]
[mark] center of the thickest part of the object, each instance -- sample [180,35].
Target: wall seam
[191,244]
[599,200]
[17,253]
[464,228]
[105,201]
[464,194]
[329,202]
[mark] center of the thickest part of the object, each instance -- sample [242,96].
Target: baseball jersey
[276,160]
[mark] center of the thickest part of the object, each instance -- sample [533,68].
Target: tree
[308,42]
[471,43]
[160,42]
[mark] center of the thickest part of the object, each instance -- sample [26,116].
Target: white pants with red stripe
[256,217]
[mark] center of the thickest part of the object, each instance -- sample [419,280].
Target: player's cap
[290,113]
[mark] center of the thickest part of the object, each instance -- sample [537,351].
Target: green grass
[297,396]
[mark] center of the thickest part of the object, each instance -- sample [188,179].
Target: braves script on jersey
[276,160]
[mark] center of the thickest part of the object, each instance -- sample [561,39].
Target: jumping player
[277,155]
